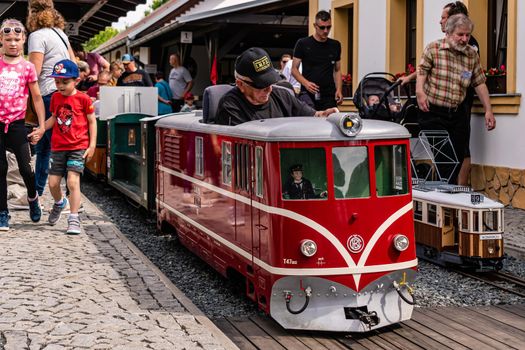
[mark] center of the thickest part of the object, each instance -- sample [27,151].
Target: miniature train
[340,258]
[454,225]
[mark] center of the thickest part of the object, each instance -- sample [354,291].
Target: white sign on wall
[186,37]
[71,28]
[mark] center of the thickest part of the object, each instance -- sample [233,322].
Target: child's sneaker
[73,225]
[56,212]
[35,212]
[4,220]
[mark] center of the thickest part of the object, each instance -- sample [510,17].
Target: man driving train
[253,96]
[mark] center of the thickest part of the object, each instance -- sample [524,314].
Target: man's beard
[458,47]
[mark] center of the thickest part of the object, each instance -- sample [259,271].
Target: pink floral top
[14,90]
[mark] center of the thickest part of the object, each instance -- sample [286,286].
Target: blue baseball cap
[126,58]
[65,69]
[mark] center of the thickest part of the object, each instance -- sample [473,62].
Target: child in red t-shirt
[73,141]
[17,78]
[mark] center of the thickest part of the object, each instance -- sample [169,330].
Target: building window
[497,33]
[410,53]
[199,157]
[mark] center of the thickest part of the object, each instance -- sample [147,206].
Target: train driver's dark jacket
[302,190]
[235,109]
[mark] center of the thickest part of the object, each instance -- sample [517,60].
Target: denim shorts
[62,161]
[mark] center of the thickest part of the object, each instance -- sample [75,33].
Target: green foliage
[155,5]
[100,38]
[158,3]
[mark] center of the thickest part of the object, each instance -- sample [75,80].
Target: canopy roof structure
[91,16]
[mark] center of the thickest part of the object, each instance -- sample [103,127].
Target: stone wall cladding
[503,184]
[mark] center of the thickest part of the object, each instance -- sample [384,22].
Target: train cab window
[351,172]
[226,159]
[303,173]
[490,221]
[418,210]
[199,156]
[259,172]
[391,170]
[431,214]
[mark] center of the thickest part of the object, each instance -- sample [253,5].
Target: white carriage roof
[455,200]
[287,129]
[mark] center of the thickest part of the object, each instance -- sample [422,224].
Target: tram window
[226,163]
[418,210]
[432,214]
[199,158]
[447,217]
[464,220]
[351,172]
[475,221]
[490,221]
[391,170]
[259,171]
[303,173]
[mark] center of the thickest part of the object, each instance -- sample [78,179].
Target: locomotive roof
[455,200]
[287,129]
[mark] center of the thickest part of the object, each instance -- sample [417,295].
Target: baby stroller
[378,96]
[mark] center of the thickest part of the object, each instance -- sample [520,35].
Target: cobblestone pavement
[91,291]
[514,237]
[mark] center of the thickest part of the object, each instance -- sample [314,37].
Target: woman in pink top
[17,78]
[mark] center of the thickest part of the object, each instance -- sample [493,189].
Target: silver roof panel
[288,129]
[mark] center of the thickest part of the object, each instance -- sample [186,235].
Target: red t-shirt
[70,132]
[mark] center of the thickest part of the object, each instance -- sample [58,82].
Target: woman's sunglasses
[17,30]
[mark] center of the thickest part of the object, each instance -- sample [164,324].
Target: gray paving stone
[87,292]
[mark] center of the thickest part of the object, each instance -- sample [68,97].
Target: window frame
[199,156]
[226,149]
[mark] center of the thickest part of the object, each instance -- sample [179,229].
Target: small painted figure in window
[298,187]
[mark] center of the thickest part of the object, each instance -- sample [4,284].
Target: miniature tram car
[337,257]
[455,226]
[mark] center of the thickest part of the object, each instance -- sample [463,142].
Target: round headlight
[308,248]
[401,242]
[351,124]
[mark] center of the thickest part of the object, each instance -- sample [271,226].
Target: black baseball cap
[255,64]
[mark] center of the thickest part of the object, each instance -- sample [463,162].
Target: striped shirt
[449,73]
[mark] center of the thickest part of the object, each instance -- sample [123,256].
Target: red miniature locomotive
[314,214]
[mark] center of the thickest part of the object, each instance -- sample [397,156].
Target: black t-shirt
[235,109]
[318,59]
[136,78]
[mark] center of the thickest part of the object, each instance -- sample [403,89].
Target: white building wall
[504,146]
[324,5]
[431,28]
[372,37]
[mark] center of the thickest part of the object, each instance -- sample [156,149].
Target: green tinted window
[391,170]
[303,173]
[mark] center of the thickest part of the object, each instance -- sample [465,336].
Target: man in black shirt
[321,80]
[133,76]
[254,97]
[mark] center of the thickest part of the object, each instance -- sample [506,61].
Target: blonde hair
[12,21]
[83,66]
[42,14]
